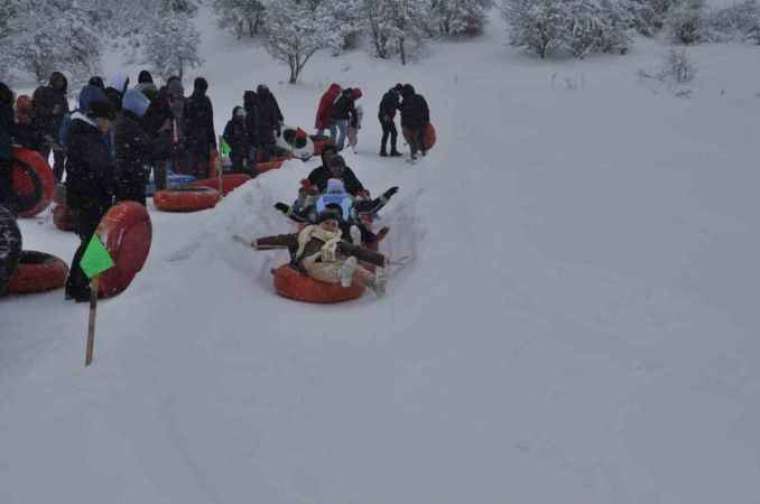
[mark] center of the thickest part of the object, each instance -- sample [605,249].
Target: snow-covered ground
[577,321]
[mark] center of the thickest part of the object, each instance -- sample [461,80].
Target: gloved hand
[282,207]
[390,192]
[363,195]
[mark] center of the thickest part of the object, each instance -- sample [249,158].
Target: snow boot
[347,270]
[395,153]
[383,153]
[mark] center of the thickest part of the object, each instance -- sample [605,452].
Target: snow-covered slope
[576,321]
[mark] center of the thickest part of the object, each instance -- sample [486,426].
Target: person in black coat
[335,167]
[268,121]
[49,105]
[386,114]
[158,122]
[415,117]
[135,151]
[343,114]
[236,136]
[89,182]
[249,104]
[198,119]
[7,198]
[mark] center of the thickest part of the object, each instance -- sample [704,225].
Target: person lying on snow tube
[334,166]
[354,214]
[319,251]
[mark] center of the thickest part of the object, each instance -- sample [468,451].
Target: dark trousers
[416,139]
[199,164]
[389,129]
[159,175]
[86,220]
[59,161]
[7,196]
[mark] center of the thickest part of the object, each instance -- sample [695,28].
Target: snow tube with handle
[10,246]
[296,142]
[186,199]
[230,182]
[63,219]
[37,272]
[428,137]
[292,284]
[33,182]
[126,232]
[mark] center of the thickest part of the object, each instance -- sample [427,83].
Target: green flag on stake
[96,258]
[224,148]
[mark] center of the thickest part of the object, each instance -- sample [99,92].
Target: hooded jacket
[414,109]
[89,166]
[236,135]
[135,151]
[49,105]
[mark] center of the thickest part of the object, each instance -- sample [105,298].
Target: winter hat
[97,81]
[145,77]
[407,90]
[200,84]
[262,89]
[249,99]
[6,95]
[136,102]
[356,93]
[88,95]
[398,87]
[58,81]
[119,81]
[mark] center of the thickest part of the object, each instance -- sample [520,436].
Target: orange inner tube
[126,232]
[186,199]
[230,182]
[292,284]
[428,137]
[33,181]
[37,272]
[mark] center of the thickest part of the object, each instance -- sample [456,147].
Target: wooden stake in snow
[95,261]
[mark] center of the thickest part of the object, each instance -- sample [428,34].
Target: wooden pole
[219,168]
[91,325]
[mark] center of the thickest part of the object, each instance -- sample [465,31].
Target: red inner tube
[37,272]
[230,182]
[33,181]
[126,232]
[292,284]
[186,199]
[429,137]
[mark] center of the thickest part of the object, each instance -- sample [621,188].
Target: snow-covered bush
[540,26]
[685,22]
[171,47]
[459,17]
[740,21]
[294,32]
[648,16]
[243,17]
[580,27]
[598,26]
[677,67]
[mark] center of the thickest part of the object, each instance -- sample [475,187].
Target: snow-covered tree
[456,17]
[347,20]
[56,37]
[243,17]
[171,46]
[395,24]
[294,32]
[740,21]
